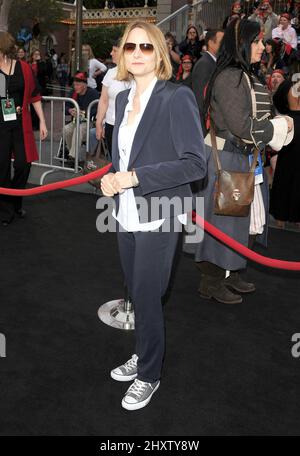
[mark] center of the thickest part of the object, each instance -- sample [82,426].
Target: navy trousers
[147,259]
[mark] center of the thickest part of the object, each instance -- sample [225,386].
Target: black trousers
[108,136]
[147,260]
[12,143]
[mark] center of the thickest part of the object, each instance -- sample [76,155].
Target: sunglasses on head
[146,48]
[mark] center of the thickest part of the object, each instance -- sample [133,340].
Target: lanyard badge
[8,104]
[8,109]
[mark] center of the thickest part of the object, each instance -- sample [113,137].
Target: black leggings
[12,143]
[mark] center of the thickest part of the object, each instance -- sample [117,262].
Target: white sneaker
[126,372]
[139,394]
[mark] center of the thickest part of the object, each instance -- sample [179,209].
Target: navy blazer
[168,151]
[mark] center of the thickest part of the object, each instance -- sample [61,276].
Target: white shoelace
[138,387]
[130,364]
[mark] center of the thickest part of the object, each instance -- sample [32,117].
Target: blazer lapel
[146,122]
[143,128]
[118,120]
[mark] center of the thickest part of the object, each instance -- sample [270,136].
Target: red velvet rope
[240,248]
[218,234]
[55,185]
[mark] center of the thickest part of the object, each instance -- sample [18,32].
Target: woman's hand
[123,180]
[43,131]
[108,185]
[100,131]
[111,183]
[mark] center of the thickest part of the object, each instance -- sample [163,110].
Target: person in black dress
[285,194]
[17,91]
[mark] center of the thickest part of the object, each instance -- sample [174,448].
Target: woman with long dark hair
[192,44]
[240,109]
[271,58]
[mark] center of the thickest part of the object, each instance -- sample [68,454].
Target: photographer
[266,18]
[84,95]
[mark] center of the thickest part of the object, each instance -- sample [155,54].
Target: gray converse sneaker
[126,372]
[139,394]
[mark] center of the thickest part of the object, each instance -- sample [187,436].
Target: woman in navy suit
[157,151]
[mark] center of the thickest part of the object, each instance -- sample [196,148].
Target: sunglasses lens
[129,47]
[146,48]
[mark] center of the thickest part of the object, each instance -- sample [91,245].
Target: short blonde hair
[163,68]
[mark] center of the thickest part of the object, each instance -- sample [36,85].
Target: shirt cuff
[281,137]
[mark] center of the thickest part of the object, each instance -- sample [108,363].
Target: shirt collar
[144,98]
[212,56]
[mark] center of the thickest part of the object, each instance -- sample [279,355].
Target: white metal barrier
[88,115]
[49,158]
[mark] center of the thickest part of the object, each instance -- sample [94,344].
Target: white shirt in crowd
[288,35]
[212,56]
[128,214]
[113,88]
[94,65]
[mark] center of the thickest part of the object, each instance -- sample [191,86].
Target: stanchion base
[113,314]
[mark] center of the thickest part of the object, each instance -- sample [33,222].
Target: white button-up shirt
[128,214]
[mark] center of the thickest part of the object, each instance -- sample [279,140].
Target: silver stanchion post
[118,313]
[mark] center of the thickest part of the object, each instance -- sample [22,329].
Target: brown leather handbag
[234,191]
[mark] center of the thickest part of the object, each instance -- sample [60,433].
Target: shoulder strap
[255,157]
[214,146]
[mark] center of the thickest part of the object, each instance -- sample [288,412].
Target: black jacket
[201,75]
[168,148]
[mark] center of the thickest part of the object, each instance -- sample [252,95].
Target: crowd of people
[194,61]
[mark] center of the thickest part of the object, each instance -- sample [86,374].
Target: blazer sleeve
[186,137]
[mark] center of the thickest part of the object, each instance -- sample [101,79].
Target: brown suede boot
[214,287]
[236,283]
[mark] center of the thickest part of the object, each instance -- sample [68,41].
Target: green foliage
[29,12]
[102,38]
